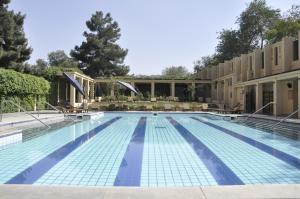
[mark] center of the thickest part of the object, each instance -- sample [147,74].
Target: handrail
[17,105]
[284,119]
[59,111]
[53,107]
[268,104]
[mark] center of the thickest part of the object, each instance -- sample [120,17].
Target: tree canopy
[204,62]
[14,49]
[60,59]
[254,23]
[257,24]
[229,45]
[175,72]
[99,54]
[288,25]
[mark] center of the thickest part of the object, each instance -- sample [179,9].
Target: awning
[129,86]
[74,83]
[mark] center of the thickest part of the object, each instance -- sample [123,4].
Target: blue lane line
[289,159]
[129,173]
[34,172]
[219,170]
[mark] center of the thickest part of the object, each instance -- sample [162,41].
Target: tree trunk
[261,41]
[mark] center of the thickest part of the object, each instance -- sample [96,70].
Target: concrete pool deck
[210,192]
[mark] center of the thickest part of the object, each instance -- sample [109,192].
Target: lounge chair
[149,107]
[71,109]
[153,99]
[234,110]
[215,107]
[186,107]
[168,107]
[197,107]
[130,99]
[204,107]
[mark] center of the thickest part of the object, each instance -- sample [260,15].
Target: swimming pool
[140,149]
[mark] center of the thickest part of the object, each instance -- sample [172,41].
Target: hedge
[26,90]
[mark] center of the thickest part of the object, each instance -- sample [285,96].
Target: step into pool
[143,149]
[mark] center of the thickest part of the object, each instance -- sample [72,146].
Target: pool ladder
[284,119]
[260,109]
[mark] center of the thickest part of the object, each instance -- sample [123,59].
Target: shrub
[23,89]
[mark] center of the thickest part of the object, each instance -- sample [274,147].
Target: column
[173,89]
[225,93]
[234,96]
[58,91]
[35,103]
[72,94]
[88,91]
[298,45]
[243,93]
[218,91]
[132,93]
[276,98]
[80,96]
[298,93]
[194,91]
[152,89]
[112,91]
[258,96]
[92,96]
[67,91]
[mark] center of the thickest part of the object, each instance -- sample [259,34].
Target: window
[296,50]
[262,60]
[276,56]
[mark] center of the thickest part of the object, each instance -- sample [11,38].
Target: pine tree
[100,55]
[14,48]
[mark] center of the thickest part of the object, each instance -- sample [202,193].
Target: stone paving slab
[252,191]
[213,192]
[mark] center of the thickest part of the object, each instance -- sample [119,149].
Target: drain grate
[160,127]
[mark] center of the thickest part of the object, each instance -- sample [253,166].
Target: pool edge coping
[206,192]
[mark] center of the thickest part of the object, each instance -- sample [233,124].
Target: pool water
[141,149]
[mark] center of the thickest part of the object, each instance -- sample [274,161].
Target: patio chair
[216,108]
[149,107]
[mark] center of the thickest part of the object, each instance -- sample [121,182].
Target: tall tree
[60,59]
[100,54]
[39,68]
[229,45]
[253,24]
[56,58]
[288,25]
[175,72]
[205,61]
[14,48]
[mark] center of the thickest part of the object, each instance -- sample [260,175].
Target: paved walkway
[213,192]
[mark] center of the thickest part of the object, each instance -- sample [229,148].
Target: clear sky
[158,33]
